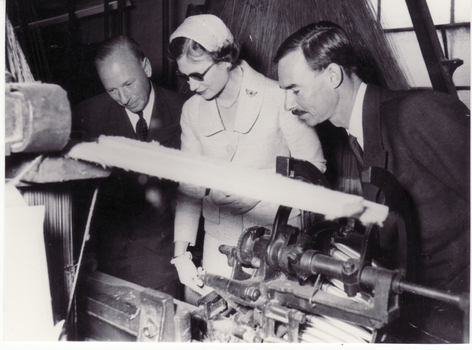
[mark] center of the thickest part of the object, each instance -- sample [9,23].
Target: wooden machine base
[112,309]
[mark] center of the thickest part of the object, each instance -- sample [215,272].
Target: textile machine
[316,282]
[295,283]
[319,282]
[37,128]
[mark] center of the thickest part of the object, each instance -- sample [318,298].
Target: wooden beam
[439,68]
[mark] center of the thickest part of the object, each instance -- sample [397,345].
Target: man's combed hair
[322,43]
[185,46]
[116,43]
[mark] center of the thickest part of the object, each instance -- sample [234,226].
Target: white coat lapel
[210,120]
[249,105]
[250,99]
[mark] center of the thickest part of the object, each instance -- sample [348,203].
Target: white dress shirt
[147,111]
[355,124]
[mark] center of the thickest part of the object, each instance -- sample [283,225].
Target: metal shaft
[328,266]
[447,297]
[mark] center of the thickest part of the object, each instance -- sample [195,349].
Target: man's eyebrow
[128,81]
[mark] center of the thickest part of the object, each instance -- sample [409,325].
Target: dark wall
[143,21]
[63,53]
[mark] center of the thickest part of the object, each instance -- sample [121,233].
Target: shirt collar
[355,124]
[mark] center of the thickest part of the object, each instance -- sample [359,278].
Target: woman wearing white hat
[237,115]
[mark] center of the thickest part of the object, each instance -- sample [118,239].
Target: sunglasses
[194,76]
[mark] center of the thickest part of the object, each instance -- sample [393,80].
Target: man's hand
[237,205]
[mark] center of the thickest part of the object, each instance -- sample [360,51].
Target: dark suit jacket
[133,236]
[101,115]
[423,139]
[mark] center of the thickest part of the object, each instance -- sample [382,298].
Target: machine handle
[460,301]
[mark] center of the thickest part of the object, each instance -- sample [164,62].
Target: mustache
[298,112]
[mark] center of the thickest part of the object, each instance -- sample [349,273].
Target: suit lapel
[119,121]
[374,152]
[250,99]
[162,127]
[210,121]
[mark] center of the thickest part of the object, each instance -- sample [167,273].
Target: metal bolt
[349,266]
[253,293]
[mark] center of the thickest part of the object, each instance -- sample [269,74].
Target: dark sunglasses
[194,76]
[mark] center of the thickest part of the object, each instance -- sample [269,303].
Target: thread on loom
[262,25]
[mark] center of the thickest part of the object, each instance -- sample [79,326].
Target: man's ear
[336,75]
[147,67]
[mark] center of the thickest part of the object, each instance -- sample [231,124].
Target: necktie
[141,127]
[356,148]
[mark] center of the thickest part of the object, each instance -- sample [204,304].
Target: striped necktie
[141,127]
[356,148]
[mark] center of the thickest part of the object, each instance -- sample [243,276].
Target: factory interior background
[60,51]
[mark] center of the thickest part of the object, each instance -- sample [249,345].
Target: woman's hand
[188,273]
[237,205]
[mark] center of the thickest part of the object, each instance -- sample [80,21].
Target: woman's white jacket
[262,131]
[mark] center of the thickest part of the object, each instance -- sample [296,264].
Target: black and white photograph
[196,172]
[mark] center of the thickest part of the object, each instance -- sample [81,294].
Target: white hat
[207,30]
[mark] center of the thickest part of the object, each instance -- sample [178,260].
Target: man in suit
[421,137]
[132,229]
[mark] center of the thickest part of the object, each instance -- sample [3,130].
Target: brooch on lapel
[251,93]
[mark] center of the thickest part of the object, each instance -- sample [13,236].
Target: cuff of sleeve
[176,259]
